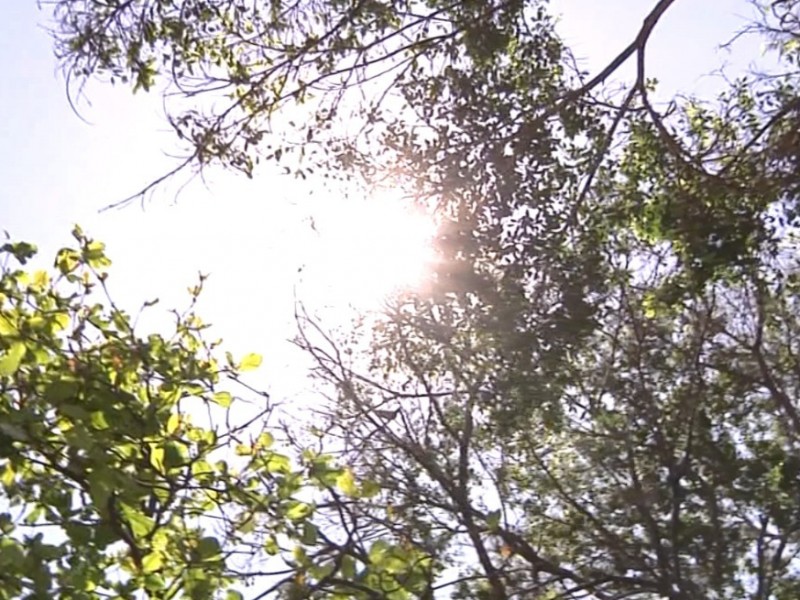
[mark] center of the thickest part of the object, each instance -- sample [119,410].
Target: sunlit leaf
[250,361]
[271,546]
[152,562]
[7,327]
[98,420]
[278,463]
[298,511]
[173,423]
[11,359]
[265,440]
[67,260]
[224,399]
[157,458]
[141,525]
[347,483]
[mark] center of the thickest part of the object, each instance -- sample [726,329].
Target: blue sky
[683,53]
[251,235]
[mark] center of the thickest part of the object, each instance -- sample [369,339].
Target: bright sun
[363,250]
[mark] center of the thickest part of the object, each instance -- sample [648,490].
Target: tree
[606,406]
[129,470]
[656,461]
[255,61]
[597,397]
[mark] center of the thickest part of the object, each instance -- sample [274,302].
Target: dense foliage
[597,395]
[128,467]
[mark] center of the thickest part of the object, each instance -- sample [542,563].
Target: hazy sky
[251,235]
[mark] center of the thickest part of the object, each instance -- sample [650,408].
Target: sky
[254,236]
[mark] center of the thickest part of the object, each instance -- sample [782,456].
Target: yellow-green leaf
[224,399]
[8,476]
[347,483]
[41,279]
[7,327]
[250,361]
[298,511]
[9,363]
[157,458]
[271,546]
[141,525]
[278,463]
[244,449]
[60,321]
[152,562]
[67,260]
[173,423]
[98,420]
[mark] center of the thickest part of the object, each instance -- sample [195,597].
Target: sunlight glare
[363,250]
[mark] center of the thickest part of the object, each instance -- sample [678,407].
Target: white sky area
[253,236]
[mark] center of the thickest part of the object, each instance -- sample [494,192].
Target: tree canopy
[130,469]
[596,396]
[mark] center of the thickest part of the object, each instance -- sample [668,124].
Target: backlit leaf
[224,399]
[250,361]
[152,562]
[11,359]
[347,483]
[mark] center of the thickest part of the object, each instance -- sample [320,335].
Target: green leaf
[250,361]
[310,534]
[154,582]
[493,520]
[9,363]
[208,548]
[202,469]
[34,515]
[41,279]
[74,411]
[94,250]
[370,489]
[175,455]
[61,321]
[243,450]
[348,567]
[8,475]
[59,391]
[247,525]
[22,251]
